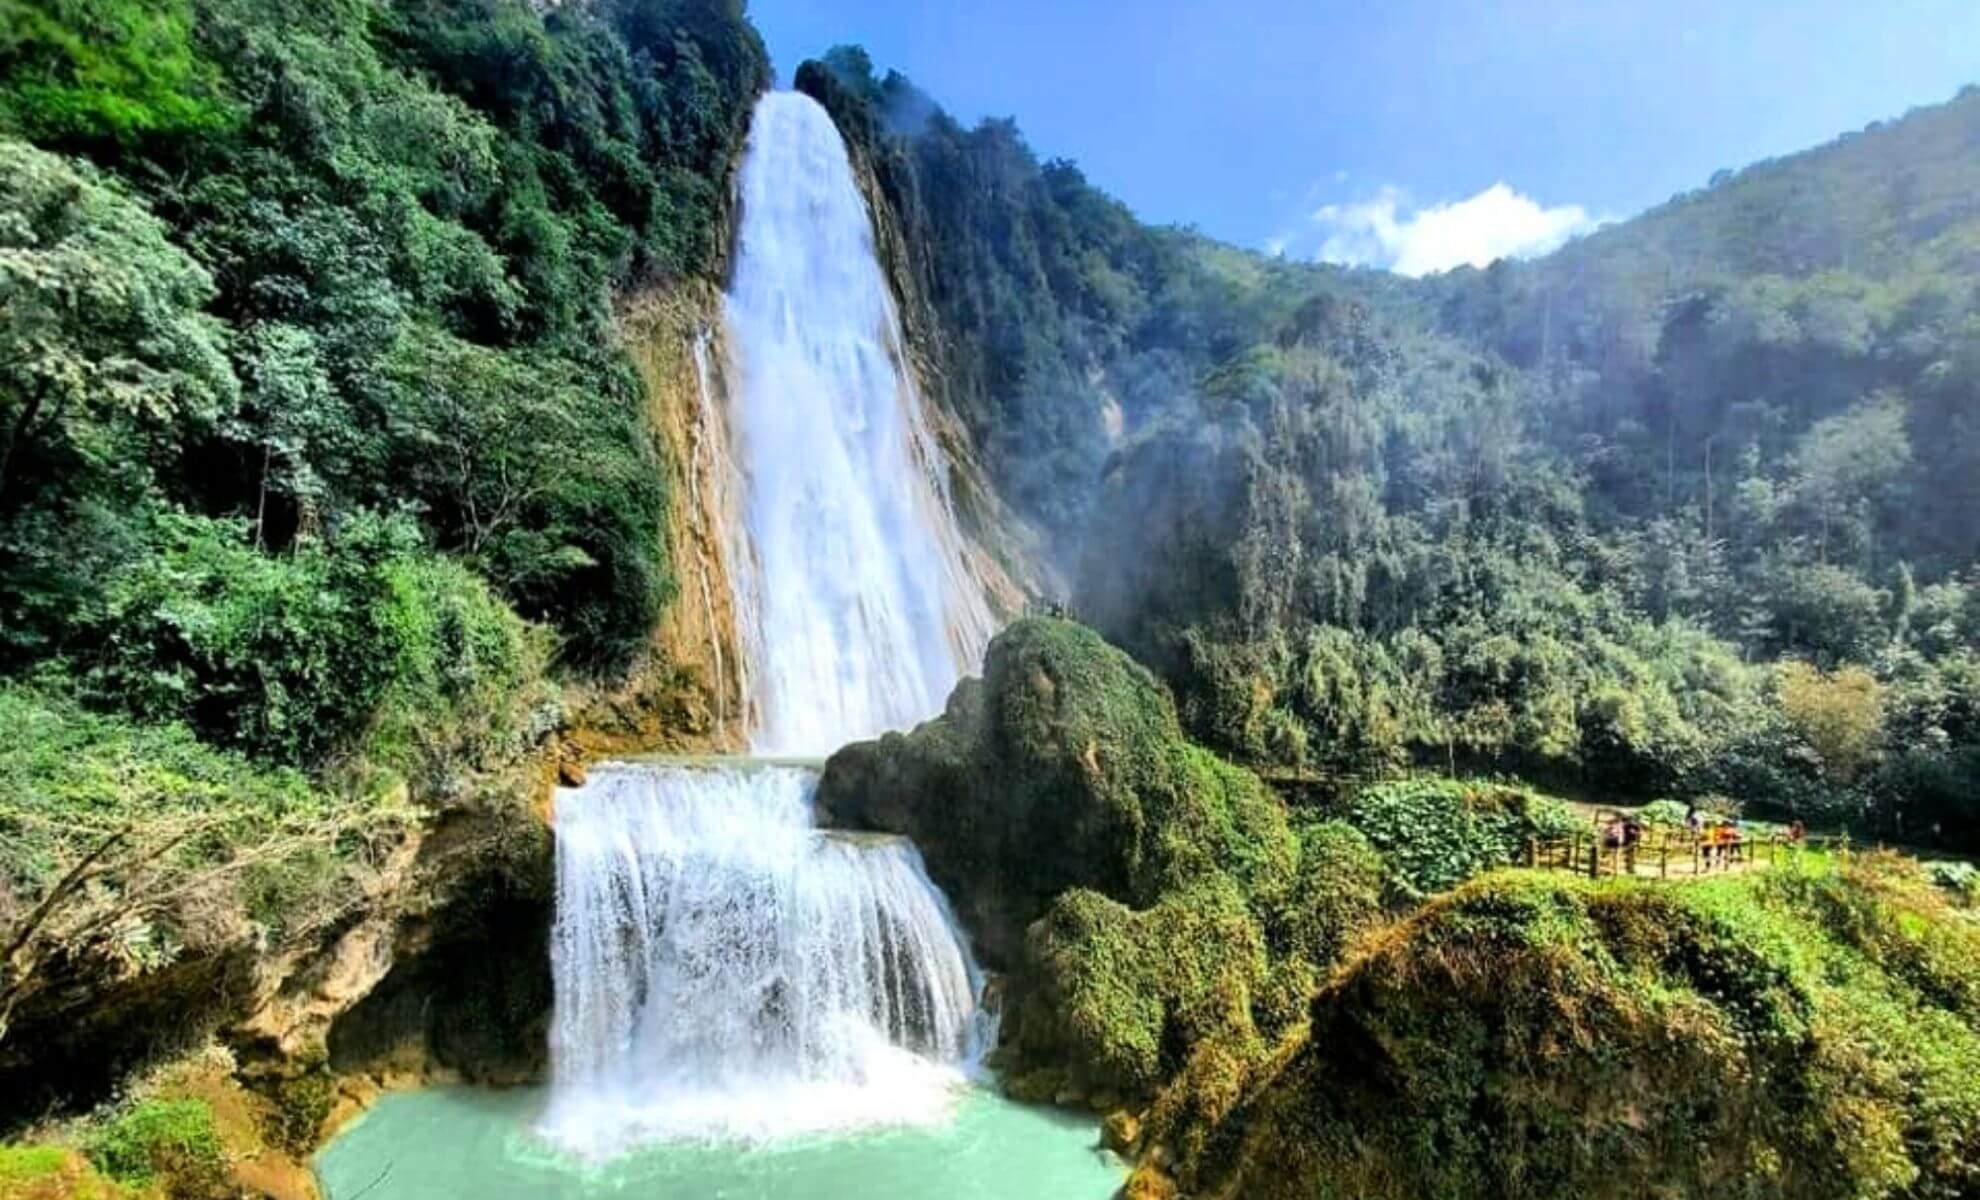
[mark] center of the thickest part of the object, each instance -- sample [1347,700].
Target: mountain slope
[1558,517]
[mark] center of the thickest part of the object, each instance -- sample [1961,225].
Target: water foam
[725,970]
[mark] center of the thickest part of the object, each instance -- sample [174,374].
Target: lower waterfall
[725,971]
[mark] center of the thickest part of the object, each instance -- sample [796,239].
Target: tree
[1849,469]
[90,70]
[102,339]
[1840,714]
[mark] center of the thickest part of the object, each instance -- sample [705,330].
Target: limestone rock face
[438,963]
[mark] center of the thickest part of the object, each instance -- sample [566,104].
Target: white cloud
[1496,223]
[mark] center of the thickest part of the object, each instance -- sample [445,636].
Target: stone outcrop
[1154,908]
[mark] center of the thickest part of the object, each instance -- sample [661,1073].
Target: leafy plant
[1435,833]
[172,1142]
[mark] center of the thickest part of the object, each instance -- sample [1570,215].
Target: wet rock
[1120,1132]
[1035,1087]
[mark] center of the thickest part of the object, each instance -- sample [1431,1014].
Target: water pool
[479,1144]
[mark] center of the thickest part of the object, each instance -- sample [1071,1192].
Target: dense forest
[315,439]
[1686,508]
[336,498]
[300,295]
[322,463]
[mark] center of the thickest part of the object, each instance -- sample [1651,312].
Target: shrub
[1962,879]
[1662,812]
[297,656]
[1435,833]
[1840,713]
[188,840]
[171,1142]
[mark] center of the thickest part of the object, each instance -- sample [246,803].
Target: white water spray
[723,969]
[860,603]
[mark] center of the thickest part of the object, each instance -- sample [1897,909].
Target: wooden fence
[1664,852]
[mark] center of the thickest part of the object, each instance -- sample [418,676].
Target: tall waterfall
[723,969]
[860,612]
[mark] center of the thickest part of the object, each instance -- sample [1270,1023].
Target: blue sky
[1405,133]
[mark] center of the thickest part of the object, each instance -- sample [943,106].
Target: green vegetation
[322,466]
[291,657]
[86,70]
[1556,519]
[1250,983]
[1063,767]
[281,272]
[127,846]
[48,1172]
[1798,1034]
[321,461]
[173,1142]
[1437,833]
[1155,905]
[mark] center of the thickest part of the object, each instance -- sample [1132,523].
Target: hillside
[369,387]
[1806,289]
[1638,518]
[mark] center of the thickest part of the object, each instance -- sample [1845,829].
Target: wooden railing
[1664,852]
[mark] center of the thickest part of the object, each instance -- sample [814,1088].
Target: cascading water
[724,969]
[861,611]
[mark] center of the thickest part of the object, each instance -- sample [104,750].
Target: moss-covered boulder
[1804,1034]
[1063,767]
[1146,897]
[48,1172]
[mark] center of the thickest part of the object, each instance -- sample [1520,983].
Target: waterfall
[723,968]
[861,610]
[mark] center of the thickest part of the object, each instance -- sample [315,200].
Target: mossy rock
[173,1145]
[1544,1036]
[1120,992]
[1063,767]
[1145,896]
[1120,1131]
[51,1172]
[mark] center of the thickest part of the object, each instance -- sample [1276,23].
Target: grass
[51,1172]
